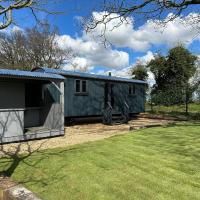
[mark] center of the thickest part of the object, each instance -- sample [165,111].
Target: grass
[177,111]
[192,107]
[156,163]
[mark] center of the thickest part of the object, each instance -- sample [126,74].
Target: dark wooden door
[106,94]
[109,94]
[112,96]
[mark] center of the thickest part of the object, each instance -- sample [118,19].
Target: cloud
[11,29]
[126,72]
[146,58]
[17,28]
[90,52]
[93,53]
[79,64]
[118,32]
[125,34]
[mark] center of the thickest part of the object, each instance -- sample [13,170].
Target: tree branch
[7,7]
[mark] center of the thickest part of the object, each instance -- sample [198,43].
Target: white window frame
[81,87]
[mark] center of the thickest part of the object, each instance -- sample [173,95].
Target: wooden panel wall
[93,102]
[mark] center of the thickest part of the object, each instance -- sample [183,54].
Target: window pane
[130,88]
[84,86]
[133,89]
[78,86]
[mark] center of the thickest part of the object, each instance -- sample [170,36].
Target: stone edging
[9,190]
[160,116]
[150,126]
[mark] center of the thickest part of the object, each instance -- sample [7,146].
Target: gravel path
[78,134]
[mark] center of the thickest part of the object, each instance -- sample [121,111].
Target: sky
[136,41]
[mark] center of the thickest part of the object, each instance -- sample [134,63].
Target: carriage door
[109,94]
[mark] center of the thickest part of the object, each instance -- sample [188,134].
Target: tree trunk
[186,100]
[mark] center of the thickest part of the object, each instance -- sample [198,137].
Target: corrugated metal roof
[87,75]
[29,75]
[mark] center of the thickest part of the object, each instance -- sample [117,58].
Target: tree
[181,64]
[196,82]
[172,75]
[149,9]
[8,7]
[34,47]
[139,72]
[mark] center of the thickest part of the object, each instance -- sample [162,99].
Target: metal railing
[126,112]
[107,114]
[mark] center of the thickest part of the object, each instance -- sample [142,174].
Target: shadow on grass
[179,142]
[14,157]
[179,114]
[182,124]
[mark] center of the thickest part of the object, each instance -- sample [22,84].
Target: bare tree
[35,47]
[8,7]
[145,9]
[14,154]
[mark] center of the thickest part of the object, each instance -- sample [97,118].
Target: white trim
[81,88]
[56,86]
[12,109]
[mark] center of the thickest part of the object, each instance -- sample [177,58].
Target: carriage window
[132,89]
[78,86]
[143,92]
[84,87]
[81,86]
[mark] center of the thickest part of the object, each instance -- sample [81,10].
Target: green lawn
[177,110]
[192,107]
[156,163]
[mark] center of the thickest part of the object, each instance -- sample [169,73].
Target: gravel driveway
[80,134]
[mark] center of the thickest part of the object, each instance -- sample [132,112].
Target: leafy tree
[198,94]
[30,48]
[158,67]
[180,65]
[139,72]
[172,74]
[196,82]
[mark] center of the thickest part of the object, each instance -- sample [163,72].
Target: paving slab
[10,190]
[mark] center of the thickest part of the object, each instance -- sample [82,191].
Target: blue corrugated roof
[29,75]
[87,75]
